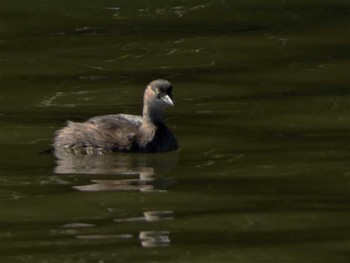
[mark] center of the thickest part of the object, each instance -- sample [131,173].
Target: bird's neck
[152,115]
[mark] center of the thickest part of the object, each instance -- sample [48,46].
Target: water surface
[261,113]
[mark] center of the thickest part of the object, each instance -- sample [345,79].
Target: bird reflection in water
[148,216]
[154,238]
[151,238]
[147,239]
[121,172]
[141,172]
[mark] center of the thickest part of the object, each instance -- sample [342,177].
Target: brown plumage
[123,132]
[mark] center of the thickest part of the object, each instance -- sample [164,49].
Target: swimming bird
[124,132]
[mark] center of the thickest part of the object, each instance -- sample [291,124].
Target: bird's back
[118,119]
[107,132]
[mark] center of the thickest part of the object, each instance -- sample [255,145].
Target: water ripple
[151,239]
[149,216]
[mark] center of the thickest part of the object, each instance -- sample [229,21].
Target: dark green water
[262,114]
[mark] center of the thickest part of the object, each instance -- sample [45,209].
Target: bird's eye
[157,92]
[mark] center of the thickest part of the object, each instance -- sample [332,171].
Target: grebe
[124,132]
